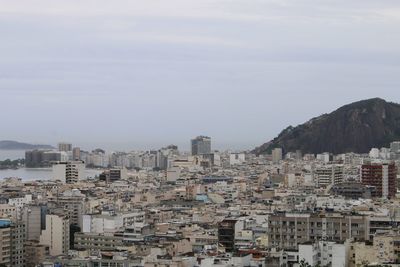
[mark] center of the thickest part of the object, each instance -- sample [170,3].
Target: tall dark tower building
[226,234]
[201,145]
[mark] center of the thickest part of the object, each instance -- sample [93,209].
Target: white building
[324,157]
[173,174]
[276,155]
[329,174]
[237,158]
[384,153]
[374,153]
[228,261]
[68,171]
[395,147]
[324,253]
[110,223]
[291,180]
[19,204]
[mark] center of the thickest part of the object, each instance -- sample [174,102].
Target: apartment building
[288,230]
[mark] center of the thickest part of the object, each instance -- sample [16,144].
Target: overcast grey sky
[142,74]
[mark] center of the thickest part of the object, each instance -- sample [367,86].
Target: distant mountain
[14,145]
[355,127]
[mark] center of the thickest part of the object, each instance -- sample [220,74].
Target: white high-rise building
[69,171]
[329,174]
[56,234]
[276,155]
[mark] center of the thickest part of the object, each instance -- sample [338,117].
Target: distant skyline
[144,74]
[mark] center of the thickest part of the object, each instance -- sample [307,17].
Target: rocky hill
[356,127]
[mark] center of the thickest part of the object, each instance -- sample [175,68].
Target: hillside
[356,127]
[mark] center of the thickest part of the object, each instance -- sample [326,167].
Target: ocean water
[30,174]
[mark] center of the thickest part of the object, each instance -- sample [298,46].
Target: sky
[130,74]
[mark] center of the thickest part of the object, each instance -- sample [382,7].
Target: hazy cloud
[144,73]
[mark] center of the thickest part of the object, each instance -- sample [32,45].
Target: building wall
[56,234]
[59,172]
[31,216]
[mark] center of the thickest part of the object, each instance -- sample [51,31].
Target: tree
[303,263]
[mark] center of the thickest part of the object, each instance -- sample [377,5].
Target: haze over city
[142,74]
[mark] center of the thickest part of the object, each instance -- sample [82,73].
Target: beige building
[5,242]
[31,216]
[381,251]
[8,211]
[35,253]
[277,155]
[56,234]
[288,230]
[12,238]
[91,241]
[18,244]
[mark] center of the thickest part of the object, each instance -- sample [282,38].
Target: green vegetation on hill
[11,164]
[356,127]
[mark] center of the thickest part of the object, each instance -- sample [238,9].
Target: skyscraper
[76,153]
[64,147]
[382,176]
[201,145]
[32,217]
[56,234]
[276,155]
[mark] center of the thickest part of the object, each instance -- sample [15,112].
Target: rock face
[356,127]
[14,145]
